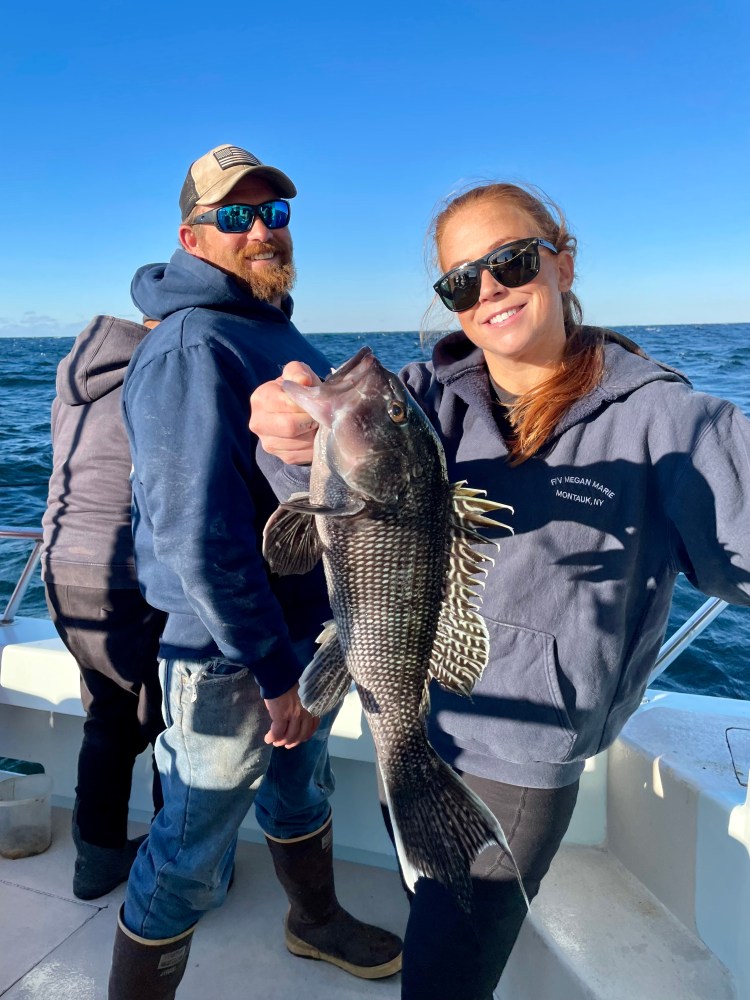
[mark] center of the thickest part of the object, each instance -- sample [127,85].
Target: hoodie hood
[187,282]
[458,363]
[98,360]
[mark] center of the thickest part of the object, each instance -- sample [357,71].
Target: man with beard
[236,639]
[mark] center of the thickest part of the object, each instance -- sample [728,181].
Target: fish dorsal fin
[326,681]
[461,646]
[291,544]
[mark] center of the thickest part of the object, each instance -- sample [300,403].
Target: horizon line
[417,332]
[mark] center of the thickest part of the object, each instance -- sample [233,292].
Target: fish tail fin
[440,825]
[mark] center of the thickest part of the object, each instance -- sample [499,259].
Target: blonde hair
[536,413]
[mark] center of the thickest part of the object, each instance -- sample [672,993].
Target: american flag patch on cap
[233,156]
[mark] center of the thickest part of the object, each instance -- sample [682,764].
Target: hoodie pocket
[517,711]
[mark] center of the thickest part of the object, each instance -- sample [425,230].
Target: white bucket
[25,815]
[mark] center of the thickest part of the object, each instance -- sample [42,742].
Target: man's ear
[188,240]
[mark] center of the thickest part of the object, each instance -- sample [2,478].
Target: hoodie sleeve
[708,503]
[419,379]
[283,479]
[193,461]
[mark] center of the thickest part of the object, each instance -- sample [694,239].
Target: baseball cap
[214,175]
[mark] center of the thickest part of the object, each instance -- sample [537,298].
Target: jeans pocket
[223,698]
[221,667]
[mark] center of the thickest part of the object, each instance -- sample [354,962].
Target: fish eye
[397,411]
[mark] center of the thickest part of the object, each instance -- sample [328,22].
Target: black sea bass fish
[395,538]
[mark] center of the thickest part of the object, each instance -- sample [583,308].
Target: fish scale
[396,542]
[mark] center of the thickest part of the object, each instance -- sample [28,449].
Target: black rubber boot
[147,970]
[317,926]
[99,870]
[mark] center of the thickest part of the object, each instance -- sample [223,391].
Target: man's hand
[284,429]
[291,724]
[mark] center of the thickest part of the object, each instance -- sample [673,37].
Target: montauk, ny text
[566,494]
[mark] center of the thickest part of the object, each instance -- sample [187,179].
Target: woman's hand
[283,428]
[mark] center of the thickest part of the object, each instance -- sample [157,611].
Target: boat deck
[647,898]
[55,947]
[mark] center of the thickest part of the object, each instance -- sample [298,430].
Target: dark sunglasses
[513,264]
[240,218]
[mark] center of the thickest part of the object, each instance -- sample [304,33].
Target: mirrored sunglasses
[240,218]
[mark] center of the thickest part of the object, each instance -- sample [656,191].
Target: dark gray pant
[451,955]
[114,637]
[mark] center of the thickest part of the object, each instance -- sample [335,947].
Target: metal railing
[668,653]
[685,634]
[34,535]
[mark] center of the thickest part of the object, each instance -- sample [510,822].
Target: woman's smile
[504,317]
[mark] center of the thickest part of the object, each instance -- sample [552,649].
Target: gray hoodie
[87,534]
[642,479]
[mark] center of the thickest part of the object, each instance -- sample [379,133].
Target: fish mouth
[320,401]
[348,366]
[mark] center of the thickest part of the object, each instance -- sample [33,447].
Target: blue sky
[634,117]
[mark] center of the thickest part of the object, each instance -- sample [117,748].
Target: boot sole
[302,949]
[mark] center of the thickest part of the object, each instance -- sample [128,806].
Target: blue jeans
[213,764]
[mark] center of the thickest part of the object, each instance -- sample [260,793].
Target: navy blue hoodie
[199,500]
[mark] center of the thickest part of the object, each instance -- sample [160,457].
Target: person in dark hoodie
[620,476]
[236,638]
[94,601]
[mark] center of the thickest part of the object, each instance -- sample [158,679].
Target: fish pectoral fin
[326,681]
[301,504]
[291,543]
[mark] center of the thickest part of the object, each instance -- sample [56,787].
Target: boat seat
[596,933]
[658,909]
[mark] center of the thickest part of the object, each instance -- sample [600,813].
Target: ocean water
[715,357]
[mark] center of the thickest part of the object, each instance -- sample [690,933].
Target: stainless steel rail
[685,634]
[32,534]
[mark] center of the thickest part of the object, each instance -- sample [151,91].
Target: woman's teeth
[501,317]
